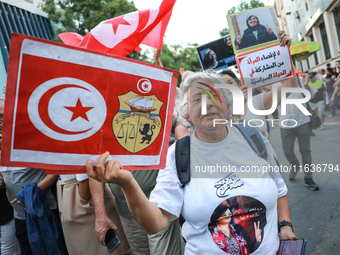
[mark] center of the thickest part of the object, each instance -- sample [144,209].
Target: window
[301,66]
[306,6]
[308,67]
[325,41]
[315,55]
[336,13]
[14,19]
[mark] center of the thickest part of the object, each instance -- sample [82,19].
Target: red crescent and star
[78,110]
[119,21]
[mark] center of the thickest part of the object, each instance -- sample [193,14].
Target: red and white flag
[65,105]
[121,35]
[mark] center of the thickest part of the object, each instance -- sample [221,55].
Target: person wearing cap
[318,102]
[255,33]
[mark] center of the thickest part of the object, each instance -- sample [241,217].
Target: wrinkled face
[252,21]
[228,41]
[205,123]
[225,217]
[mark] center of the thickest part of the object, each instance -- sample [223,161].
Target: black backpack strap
[182,155]
[254,139]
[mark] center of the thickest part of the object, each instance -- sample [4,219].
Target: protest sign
[65,105]
[266,66]
[253,29]
[260,58]
[217,54]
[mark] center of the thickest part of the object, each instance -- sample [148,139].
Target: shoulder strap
[254,139]
[182,155]
[182,152]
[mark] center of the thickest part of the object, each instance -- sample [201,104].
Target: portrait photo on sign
[218,54]
[253,28]
[237,225]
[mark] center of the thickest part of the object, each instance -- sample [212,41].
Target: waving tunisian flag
[123,34]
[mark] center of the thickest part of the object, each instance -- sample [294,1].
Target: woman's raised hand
[284,38]
[111,172]
[269,30]
[258,231]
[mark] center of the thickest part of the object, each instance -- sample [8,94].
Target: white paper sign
[266,66]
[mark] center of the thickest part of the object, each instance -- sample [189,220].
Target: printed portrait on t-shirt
[237,224]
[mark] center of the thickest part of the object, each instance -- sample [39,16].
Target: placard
[64,105]
[266,66]
[253,29]
[218,54]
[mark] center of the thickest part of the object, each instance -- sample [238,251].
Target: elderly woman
[255,33]
[197,200]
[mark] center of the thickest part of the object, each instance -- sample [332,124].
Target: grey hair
[182,101]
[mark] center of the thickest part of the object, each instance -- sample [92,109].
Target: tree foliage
[81,16]
[175,57]
[241,7]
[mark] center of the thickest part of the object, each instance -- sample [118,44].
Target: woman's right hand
[111,172]
[238,39]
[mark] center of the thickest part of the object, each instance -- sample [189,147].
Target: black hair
[330,70]
[218,212]
[231,74]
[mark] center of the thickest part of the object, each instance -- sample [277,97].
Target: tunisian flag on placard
[65,105]
[121,35]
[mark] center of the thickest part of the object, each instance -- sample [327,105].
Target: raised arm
[149,216]
[157,57]
[268,97]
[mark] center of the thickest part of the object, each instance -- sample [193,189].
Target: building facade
[24,17]
[313,20]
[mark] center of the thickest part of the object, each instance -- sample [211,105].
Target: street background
[316,214]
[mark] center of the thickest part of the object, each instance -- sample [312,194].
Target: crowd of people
[151,209]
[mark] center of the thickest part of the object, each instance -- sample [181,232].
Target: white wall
[28,5]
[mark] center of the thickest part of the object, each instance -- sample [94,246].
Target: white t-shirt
[294,113]
[258,104]
[251,200]
[79,177]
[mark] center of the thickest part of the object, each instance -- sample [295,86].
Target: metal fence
[16,20]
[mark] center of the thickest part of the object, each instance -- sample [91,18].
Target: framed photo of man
[253,29]
[218,54]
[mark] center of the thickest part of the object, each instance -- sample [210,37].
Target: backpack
[182,152]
